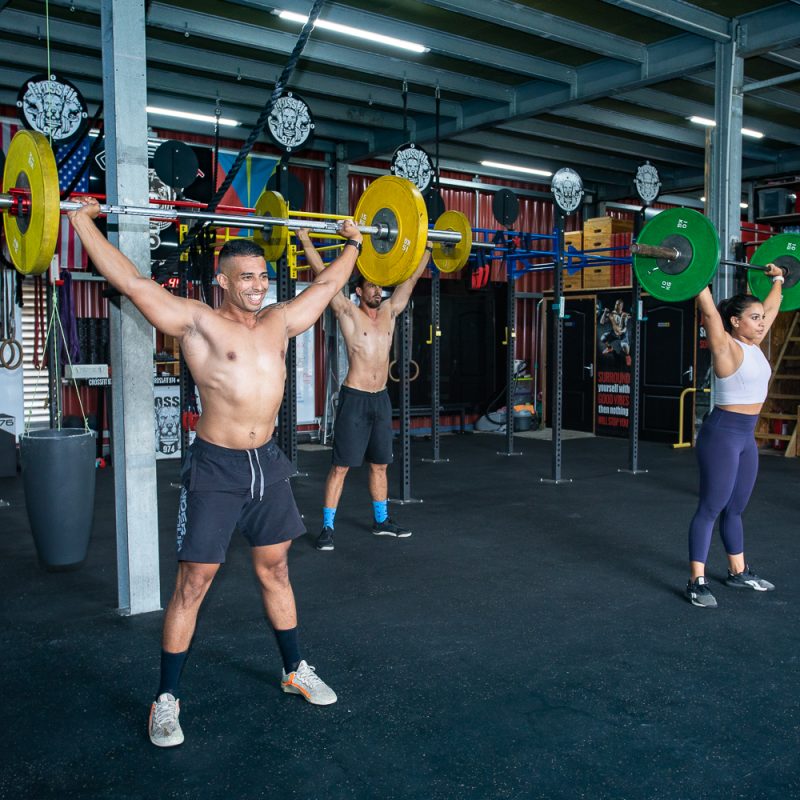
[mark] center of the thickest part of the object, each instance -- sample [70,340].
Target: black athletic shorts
[363,428]
[222,489]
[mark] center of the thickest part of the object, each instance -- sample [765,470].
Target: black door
[667,367]
[578,366]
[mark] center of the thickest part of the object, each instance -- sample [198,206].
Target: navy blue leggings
[728,460]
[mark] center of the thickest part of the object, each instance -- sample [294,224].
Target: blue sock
[290,648]
[171,667]
[379,509]
[328,515]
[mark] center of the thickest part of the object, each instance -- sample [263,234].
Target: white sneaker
[305,681]
[164,728]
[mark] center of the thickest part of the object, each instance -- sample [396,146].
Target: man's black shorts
[363,428]
[223,489]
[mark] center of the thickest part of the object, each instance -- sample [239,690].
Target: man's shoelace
[166,713]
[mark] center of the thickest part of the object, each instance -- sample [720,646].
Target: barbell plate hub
[32,237]
[452,256]
[273,241]
[390,261]
[694,237]
[783,250]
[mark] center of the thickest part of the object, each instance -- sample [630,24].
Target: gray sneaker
[164,728]
[305,681]
[748,579]
[698,593]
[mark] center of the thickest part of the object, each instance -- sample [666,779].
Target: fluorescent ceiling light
[169,112]
[514,168]
[361,34]
[709,123]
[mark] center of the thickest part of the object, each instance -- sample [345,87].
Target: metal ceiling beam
[547,26]
[773,28]
[679,14]
[78,67]
[682,107]
[688,135]
[756,86]
[638,148]
[352,58]
[533,151]
[469,159]
[446,43]
[789,57]
[225,69]
[780,98]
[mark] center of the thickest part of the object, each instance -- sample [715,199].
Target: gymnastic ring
[396,380]
[16,353]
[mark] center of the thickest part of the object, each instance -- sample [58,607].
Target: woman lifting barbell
[726,449]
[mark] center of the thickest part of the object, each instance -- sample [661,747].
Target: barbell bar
[677,253]
[391,212]
[672,254]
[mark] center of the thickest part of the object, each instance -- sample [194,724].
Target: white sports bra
[749,383]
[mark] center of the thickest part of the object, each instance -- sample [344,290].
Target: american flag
[71,255]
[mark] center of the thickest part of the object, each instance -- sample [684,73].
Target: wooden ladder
[783,396]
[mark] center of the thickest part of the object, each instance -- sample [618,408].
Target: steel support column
[133,438]
[436,365]
[557,366]
[724,162]
[634,338]
[404,374]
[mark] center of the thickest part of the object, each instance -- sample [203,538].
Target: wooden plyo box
[597,277]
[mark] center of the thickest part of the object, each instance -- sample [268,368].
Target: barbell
[391,213]
[677,253]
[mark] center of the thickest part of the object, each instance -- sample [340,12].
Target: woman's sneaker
[698,593]
[747,579]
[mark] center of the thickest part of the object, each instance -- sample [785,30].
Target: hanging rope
[436,175]
[261,123]
[405,109]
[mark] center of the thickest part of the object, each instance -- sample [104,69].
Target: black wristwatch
[355,244]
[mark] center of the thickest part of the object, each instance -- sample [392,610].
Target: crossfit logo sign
[168,423]
[52,106]
[647,182]
[567,188]
[413,164]
[290,123]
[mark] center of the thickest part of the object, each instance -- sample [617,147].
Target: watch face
[414,164]
[290,124]
[567,188]
[53,106]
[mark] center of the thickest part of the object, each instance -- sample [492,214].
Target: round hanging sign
[647,182]
[52,106]
[413,164]
[290,123]
[567,188]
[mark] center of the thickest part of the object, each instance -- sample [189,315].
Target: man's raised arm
[170,314]
[339,303]
[402,294]
[305,309]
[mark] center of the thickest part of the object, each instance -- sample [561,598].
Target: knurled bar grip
[655,251]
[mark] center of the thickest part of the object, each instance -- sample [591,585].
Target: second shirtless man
[363,427]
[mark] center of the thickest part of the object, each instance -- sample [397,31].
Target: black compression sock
[171,668]
[290,648]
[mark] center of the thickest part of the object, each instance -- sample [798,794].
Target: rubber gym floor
[528,641]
